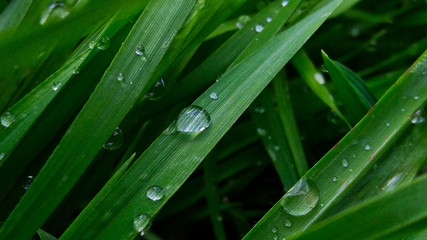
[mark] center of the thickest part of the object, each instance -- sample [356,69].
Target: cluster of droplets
[242,20]
[417,117]
[192,119]
[7,119]
[115,140]
[56,85]
[102,44]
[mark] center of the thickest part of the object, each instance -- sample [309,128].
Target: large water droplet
[28,182]
[54,12]
[213,95]
[103,43]
[301,198]
[115,140]
[120,77]
[156,91]
[193,119]
[155,193]
[142,224]
[259,28]
[56,85]
[417,117]
[7,119]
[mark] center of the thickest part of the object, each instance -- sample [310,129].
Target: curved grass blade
[346,164]
[388,216]
[126,199]
[106,108]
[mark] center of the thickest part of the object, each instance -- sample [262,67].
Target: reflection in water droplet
[56,85]
[103,43]
[367,147]
[193,119]
[156,91]
[344,163]
[418,117]
[301,198]
[319,78]
[288,223]
[120,77]
[142,224]
[28,182]
[284,3]
[261,131]
[115,140]
[259,28]
[7,119]
[155,193]
[54,12]
[213,95]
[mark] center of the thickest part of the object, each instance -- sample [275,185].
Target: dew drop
[103,43]
[56,85]
[388,124]
[288,223]
[402,110]
[417,117]
[239,25]
[193,119]
[142,224]
[260,109]
[324,68]
[1,156]
[319,78]
[274,230]
[261,131]
[344,163]
[322,205]
[301,198]
[28,182]
[155,193]
[334,179]
[76,71]
[284,3]
[120,77]
[275,237]
[367,147]
[269,19]
[416,97]
[156,91]
[54,12]
[92,44]
[115,140]
[213,95]
[259,28]
[140,50]
[7,119]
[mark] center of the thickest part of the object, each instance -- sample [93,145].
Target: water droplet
[388,124]
[288,223]
[54,12]
[344,163]
[103,43]
[322,205]
[7,119]
[324,68]
[219,219]
[276,147]
[92,44]
[115,140]
[140,50]
[193,119]
[402,110]
[156,91]
[260,109]
[351,170]
[142,224]
[367,147]
[155,193]
[269,19]
[274,230]
[56,85]
[275,237]
[392,183]
[284,3]
[120,77]
[416,97]
[301,198]
[261,131]
[239,25]
[417,117]
[319,78]
[28,182]
[355,31]
[213,95]
[334,179]
[1,156]
[259,28]
[76,71]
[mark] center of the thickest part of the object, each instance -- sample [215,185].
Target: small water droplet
[388,124]
[319,78]
[259,28]
[355,31]
[274,230]
[140,50]
[92,44]
[193,119]
[7,119]
[213,95]
[76,71]
[323,68]
[56,85]
[219,219]
[269,19]
[322,205]
[115,140]
[417,117]
[142,224]
[288,223]
[351,170]
[367,147]
[344,163]
[28,182]
[239,25]
[334,179]
[301,198]
[276,147]
[1,156]
[275,237]
[242,20]
[156,91]
[261,131]
[54,12]
[155,193]
[103,43]
[416,97]
[260,109]
[120,77]
[284,3]
[402,110]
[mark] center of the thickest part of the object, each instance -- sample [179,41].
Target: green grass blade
[418,236]
[365,145]
[288,121]
[180,153]
[106,108]
[13,14]
[45,236]
[383,216]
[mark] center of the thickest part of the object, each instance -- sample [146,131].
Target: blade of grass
[13,14]
[126,199]
[154,30]
[361,148]
[45,236]
[383,216]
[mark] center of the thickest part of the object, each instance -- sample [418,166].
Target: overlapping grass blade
[346,164]
[106,108]
[180,153]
